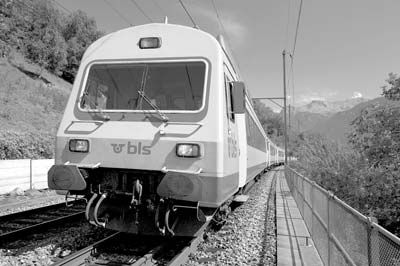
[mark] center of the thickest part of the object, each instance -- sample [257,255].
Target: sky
[345,48]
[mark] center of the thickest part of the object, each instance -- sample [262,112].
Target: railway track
[16,225]
[122,249]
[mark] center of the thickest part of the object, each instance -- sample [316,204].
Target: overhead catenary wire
[187,13]
[287,23]
[163,13]
[119,13]
[290,78]
[62,6]
[141,10]
[297,28]
[222,28]
[291,73]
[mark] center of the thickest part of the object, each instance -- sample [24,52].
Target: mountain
[338,125]
[311,115]
[329,107]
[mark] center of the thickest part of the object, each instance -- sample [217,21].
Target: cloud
[356,95]
[235,30]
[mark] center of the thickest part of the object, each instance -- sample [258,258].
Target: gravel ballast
[26,200]
[249,235]
[45,249]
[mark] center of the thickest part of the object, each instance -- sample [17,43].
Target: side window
[228,97]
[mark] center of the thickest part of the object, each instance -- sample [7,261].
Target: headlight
[188,150]
[79,145]
[150,43]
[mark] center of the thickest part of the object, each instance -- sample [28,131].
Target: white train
[159,131]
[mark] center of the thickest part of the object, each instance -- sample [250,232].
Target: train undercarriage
[127,200]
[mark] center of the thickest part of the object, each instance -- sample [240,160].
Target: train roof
[176,41]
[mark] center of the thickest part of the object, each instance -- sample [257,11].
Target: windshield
[169,86]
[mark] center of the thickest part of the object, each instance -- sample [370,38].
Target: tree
[376,131]
[272,122]
[79,32]
[45,35]
[45,45]
[393,93]
[376,136]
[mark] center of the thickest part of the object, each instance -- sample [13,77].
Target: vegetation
[366,172]
[46,36]
[38,44]
[272,122]
[33,145]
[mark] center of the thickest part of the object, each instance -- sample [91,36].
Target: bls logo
[132,148]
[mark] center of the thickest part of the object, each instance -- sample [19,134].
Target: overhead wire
[187,13]
[222,28]
[290,79]
[62,6]
[162,11]
[141,10]
[297,27]
[292,53]
[287,23]
[119,13]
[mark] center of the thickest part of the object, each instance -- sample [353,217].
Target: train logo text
[132,148]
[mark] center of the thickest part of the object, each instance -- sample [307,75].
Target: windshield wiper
[154,106]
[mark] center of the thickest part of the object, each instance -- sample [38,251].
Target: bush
[17,145]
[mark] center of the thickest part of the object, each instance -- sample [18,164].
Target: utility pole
[284,107]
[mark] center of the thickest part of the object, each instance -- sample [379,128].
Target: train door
[268,153]
[242,138]
[233,141]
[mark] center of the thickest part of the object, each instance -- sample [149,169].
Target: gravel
[249,235]
[45,249]
[25,200]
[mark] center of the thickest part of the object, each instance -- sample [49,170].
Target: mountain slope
[339,125]
[309,116]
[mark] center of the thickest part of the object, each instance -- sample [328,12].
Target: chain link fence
[342,235]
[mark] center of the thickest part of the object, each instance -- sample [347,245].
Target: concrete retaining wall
[23,174]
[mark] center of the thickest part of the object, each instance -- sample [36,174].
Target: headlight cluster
[79,145]
[188,150]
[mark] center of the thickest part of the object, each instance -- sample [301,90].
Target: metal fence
[342,235]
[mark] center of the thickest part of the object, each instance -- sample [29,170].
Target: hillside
[338,125]
[39,45]
[31,106]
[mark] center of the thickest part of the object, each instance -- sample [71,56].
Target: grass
[31,107]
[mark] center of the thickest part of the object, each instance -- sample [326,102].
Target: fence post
[304,197]
[372,260]
[330,196]
[30,174]
[312,208]
[369,229]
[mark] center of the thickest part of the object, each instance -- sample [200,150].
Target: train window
[228,97]
[169,85]
[255,138]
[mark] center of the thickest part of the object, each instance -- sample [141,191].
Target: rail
[342,235]
[15,225]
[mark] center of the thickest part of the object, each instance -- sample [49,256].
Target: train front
[133,137]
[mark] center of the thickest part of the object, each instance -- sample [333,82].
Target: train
[159,132]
